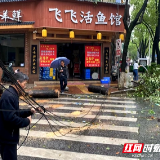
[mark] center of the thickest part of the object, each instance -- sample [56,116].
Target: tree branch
[149,29]
[140,14]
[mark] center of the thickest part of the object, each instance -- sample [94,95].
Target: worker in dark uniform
[63,76]
[12,118]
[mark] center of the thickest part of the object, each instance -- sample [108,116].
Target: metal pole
[118,69]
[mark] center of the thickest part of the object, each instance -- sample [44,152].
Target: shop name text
[88,17]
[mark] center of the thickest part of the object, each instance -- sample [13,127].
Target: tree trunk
[156,39]
[138,20]
[158,32]
[98,89]
[125,50]
[44,93]
[123,67]
[153,49]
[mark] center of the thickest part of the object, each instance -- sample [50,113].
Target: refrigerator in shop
[47,74]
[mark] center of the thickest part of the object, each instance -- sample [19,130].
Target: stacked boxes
[47,73]
[54,73]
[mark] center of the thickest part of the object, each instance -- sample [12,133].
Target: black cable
[30,101]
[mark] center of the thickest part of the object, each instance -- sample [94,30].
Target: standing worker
[12,118]
[63,76]
[135,71]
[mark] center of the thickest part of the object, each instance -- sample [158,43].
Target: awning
[21,25]
[16,23]
[1,1]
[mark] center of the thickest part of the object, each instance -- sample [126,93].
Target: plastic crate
[88,70]
[47,68]
[87,74]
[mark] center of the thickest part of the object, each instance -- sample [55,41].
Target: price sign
[48,53]
[92,56]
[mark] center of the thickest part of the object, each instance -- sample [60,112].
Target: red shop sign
[92,56]
[48,53]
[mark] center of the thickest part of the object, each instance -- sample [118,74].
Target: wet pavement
[91,127]
[115,124]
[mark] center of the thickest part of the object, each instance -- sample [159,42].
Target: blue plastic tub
[106,80]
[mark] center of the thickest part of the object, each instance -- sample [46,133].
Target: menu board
[34,59]
[48,53]
[92,56]
[106,60]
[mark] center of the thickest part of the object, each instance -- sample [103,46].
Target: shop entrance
[75,52]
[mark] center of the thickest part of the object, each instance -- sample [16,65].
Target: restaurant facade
[35,32]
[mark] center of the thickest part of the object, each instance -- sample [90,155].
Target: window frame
[24,46]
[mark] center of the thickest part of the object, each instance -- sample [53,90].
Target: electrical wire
[30,101]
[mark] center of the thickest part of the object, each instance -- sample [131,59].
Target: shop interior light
[44,33]
[99,36]
[121,36]
[71,34]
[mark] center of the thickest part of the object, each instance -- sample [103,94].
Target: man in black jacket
[12,118]
[63,76]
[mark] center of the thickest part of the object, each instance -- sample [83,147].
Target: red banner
[92,56]
[48,53]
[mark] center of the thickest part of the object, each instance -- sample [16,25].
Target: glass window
[12,49]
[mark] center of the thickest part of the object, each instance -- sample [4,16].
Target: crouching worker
[12,118]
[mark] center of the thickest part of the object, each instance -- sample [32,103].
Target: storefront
[22,42]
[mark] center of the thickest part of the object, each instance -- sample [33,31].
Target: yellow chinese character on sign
[87,58]
[48,61]
[34,48]
[34,64]
[34,52]
[90,58]
[34,56]
[44,58]
[40,58]
[34,68]
[34,60]
[33,71]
